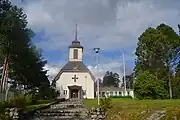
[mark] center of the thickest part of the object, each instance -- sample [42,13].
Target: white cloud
[113,66]
[108,24]
[117,23]
[53,69]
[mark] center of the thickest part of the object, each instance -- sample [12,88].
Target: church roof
[74,66]
[75,44]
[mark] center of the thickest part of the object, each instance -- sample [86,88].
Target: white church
[75,80]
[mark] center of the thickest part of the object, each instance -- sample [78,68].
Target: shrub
[20,100]
[5,104]
[105,104]
[147,86]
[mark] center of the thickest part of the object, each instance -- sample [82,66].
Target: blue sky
[112,25]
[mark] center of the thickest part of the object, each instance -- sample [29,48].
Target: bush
[105,104]
[147,86]
[20,100]
[5,104]
[176,87]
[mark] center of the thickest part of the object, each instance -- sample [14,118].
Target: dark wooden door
[74,93]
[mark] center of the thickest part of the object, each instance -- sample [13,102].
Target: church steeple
[76,33]
[75,49]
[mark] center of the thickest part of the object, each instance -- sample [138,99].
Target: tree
[157,52]
[176,78]
[176,87]
[129,81]
[23,62]
[176,83]
[177,74]
[147,86]
[111,79]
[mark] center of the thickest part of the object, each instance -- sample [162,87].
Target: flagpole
[124,71]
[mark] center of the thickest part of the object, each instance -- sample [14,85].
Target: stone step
[67,106]
[61,110]
[70,103]
[61,118]
[62,114]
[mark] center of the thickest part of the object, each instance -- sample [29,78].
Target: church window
[65,92]
[84,92]
[75,55]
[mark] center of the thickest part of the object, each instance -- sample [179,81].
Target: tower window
[75,55]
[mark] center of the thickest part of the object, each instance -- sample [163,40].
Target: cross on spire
[76,33]
[75,77]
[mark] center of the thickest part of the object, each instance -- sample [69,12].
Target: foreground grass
[132,109]
[39,103]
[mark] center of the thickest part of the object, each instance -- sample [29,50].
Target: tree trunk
[4,75]
[170,86]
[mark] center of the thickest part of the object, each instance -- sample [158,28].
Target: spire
[76,33]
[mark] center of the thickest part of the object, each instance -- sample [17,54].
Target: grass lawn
[40,103]
[137,109]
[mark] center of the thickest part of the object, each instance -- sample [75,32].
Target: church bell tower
[75,49]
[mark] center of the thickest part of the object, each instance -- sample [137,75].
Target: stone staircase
[72,109]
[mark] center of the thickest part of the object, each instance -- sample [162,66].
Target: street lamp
[97,53]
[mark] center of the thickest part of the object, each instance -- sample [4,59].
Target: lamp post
[97,60]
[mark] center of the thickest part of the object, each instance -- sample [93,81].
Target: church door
[74,93]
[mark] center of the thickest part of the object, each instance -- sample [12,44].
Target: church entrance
[75,91]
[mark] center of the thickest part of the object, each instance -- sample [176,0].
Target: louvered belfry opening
[75,54]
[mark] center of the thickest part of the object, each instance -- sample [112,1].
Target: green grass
[133,102]
[35,106]
[39,103]
[137,109]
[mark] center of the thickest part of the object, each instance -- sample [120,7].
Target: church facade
[75,80]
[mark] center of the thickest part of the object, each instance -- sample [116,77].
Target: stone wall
[97,114]
[20,114]
[12,113]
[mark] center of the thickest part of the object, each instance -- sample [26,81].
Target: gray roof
[74,66]
[75,44]
[110,89]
